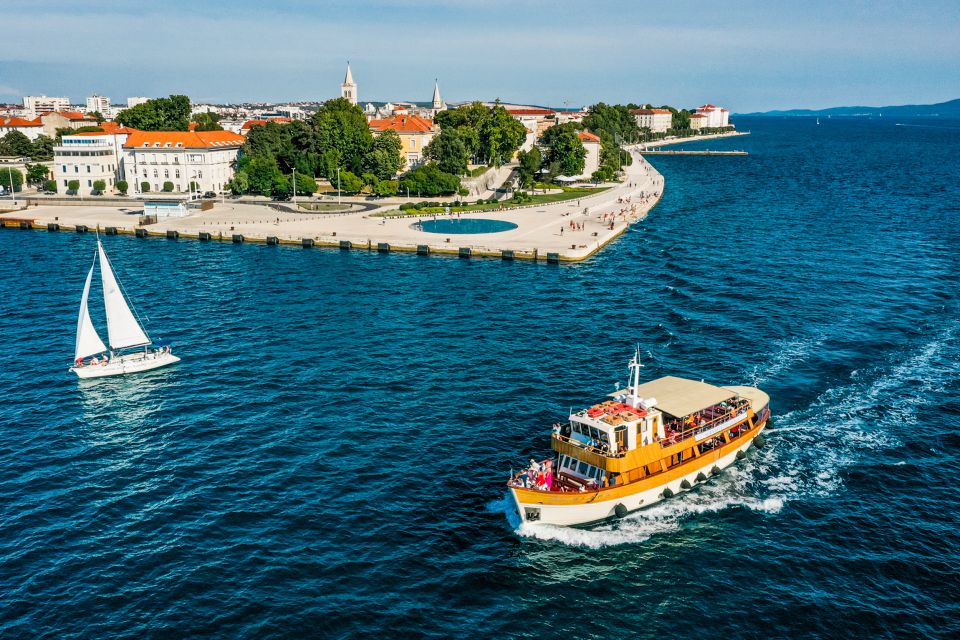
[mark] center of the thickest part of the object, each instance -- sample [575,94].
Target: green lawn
[569,193]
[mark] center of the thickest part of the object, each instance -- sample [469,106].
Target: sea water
[329,458]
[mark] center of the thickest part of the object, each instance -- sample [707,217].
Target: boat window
[582,470]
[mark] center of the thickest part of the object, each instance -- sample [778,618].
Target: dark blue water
[465,225]
[328,460]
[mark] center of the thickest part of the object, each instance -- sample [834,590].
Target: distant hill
[949,109]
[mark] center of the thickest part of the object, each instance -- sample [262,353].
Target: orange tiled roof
[19,122]
[260,123]
[586,136]
[69,115]
[531,112]
[649,112]
[184,139]
[403,124]
[110,126]
[697,115]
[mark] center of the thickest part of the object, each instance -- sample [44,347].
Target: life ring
[620,511]
[701,477]
[685,484]
[667,493]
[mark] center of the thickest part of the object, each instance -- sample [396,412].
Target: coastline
[585,223]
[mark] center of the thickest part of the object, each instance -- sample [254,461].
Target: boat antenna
[635,366]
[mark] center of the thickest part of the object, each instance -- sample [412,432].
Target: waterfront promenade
[565,231]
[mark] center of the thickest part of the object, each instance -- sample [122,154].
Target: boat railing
[731,416]
[600,451]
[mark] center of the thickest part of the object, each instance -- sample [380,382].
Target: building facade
[697,121]
[657,120]
[181,157]
[101,104]
[86,158]
[135,100]
[30,128]
[53,120]
[591,162]
[415,134]
[35,105]
[716,116]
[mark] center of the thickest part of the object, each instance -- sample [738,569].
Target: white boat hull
[131,363]
[593,512]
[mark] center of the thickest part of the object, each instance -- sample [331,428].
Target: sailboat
[123,332]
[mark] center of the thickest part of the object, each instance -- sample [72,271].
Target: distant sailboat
[818,120]
[123,332]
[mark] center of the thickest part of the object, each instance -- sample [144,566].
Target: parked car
[209,194]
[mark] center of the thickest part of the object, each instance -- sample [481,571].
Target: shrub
[167,186]
[99,186]
[145,187]
[50,185]
[463,192]
[386,187]
[407,205]
[122,186]
[73,186]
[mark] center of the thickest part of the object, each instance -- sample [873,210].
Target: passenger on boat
[78,363]
[94,360]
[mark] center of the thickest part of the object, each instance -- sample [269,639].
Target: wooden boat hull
[132,363]
[592,507]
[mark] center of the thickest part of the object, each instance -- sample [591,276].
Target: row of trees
[159,114]
[474,134]
[336,137]
[16,143]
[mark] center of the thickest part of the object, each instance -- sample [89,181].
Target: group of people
[538,475]
[103,359]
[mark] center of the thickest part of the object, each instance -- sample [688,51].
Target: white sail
[88,341]
[123,330]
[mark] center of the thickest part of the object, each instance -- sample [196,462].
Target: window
[177,173]
[76,168]
[65,182]
[144,173]
[89,183]
[88,168]
[155,175]
[166,173]
[64,168]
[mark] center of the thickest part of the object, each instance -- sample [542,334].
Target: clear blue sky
[745,55]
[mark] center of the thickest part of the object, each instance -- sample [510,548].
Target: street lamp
[338,186]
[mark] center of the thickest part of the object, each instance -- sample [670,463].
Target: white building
[657,120]
[716,116]
[135,100]
[30,128]
[101,104]
[181,157]
[348,89]
[591,162]
[35,105]
[88,157]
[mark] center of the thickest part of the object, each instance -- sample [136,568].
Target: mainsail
[88,341]
[123,330]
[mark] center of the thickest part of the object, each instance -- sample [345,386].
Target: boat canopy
[680,397]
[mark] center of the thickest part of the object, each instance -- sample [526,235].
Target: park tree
[449,152]
[490,134]
[530,163]
[207,122]
[386,188]
[96,115]
[159,114]
[263,174]
[42,148]
[240,183]
[429,180]
[350,182]
[11,177]
[36,173]
[385,159]
[122,187]
[16,143]
[306,185]
[99,186]
[565,150]
[341,126]
[50,185]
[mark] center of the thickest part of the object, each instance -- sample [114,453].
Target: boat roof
[679,396]
[758,399]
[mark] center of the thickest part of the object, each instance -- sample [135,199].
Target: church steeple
[348,89]
[438,103]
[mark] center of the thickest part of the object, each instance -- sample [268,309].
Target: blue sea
[329,458]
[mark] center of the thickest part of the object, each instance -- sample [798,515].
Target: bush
[386,188]
[167,186]
[407,205]
[429,180]
[145,187]
[11,175]
[73,186]
[99,186]
[463,192]
[50,185]
[122,187]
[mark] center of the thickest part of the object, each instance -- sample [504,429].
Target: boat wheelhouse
[643,445]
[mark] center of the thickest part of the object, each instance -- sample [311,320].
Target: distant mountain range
[949,109]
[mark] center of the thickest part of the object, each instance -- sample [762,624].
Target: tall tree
[490,134]
[16,143]
[448,151]
[159,114]
[565,150]
[42,148]
[36,173]
[385,159]
[341,126]
[530,163]
[207,121]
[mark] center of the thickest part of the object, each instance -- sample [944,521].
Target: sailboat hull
[131,363]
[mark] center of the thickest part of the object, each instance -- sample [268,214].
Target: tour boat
[124,332]
[647,443]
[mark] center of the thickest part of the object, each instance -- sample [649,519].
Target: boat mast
[635,367]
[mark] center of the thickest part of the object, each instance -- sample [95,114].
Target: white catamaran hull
[131,363]
[593,512]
